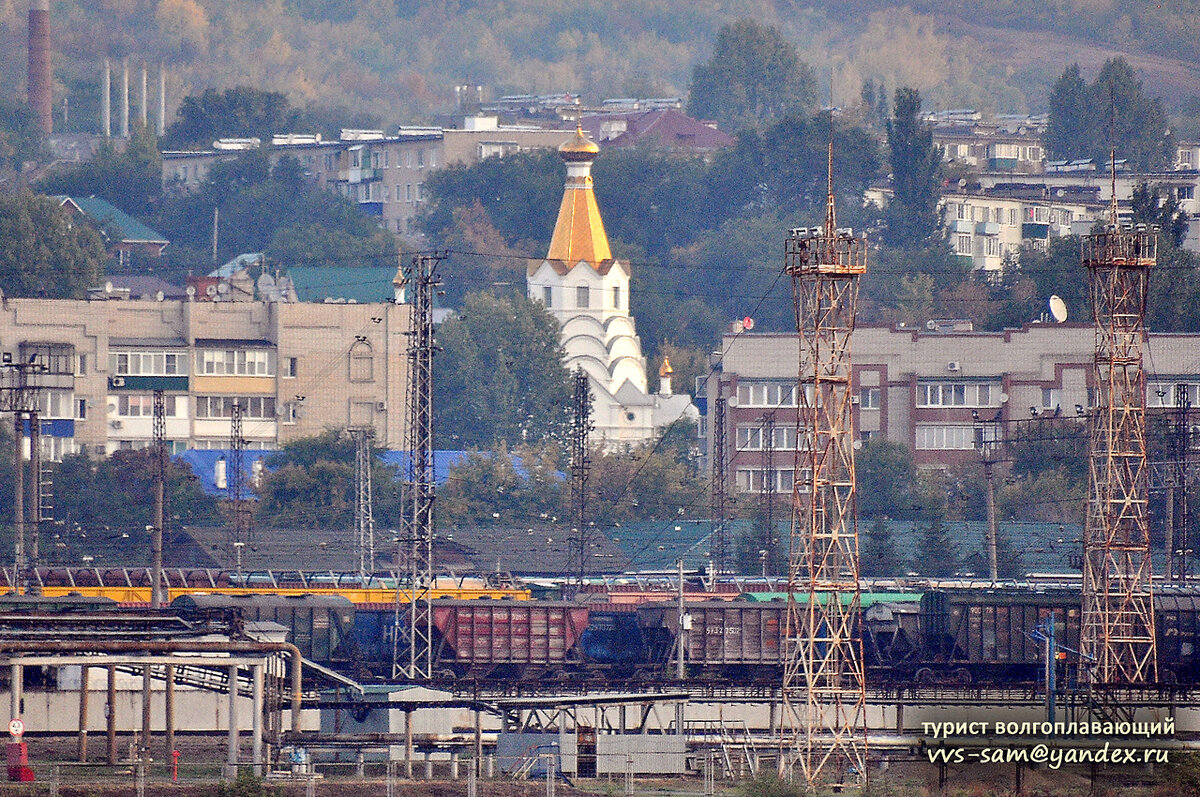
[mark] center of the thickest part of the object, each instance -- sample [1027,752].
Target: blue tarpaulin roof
[204,465]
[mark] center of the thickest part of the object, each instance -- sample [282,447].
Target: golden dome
[580,147]
[666,369]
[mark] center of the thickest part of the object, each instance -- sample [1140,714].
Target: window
[289,413]
[1051,398]
[782,480]
[616,297]
[81,412]
[142,406]
[81,366]
[1012,217]
[993,246]
[869,398]
[289,367]
[433,158]
[420,159]
[260,407]
[235,362]
[750,438]
[375,160]
[547,296]
[362,362]
[963,245]
[583,296]
[950,438]
[1163,394]
[766,394]
[962,210]
[58,358]
[957,394]
[1186,192]
[420,192]
[362,413]
[56,404]
[408,195]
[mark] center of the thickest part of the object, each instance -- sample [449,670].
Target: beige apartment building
[293,369]
[929,388]
[384,175]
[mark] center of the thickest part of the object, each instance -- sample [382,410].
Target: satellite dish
[190,291]
[747,323]
[931,325]
[1058,309]
[158,297]
[108,287]
[211,290]
[222,287]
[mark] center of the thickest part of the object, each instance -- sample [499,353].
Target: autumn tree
[755,76]
[43,253]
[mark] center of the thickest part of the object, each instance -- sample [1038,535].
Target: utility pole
[422,281]
[720,487]
[34,489]
[1177,486]
[160,476]
[20,395]
[581,427]
[364,512]
[685,622]
[988,442]
[236,479]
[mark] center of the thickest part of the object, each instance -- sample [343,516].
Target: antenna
[1058,309]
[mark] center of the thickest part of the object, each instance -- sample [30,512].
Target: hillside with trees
[400,61]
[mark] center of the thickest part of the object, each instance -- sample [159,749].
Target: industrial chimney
[39,63]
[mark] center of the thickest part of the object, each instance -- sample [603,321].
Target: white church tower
[587,290]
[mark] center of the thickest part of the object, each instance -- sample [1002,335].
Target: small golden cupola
[579,234]
[664,376]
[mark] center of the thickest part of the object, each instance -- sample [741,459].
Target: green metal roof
[865,600]
[362,284]
[113,218]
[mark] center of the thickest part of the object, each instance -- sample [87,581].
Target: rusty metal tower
[1117,635]
[823,730]
[416,663]
[720,488]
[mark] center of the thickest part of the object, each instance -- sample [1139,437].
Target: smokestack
[125,98]
[162,99]
[39,64]
[145,96]
[106,100]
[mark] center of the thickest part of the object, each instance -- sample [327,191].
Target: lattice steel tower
[1117,634]
[581,465]
[823,730]
[416,663]
[720,489]
[364,505]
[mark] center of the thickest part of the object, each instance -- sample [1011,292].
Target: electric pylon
[364,512]
[416,663]
[720,488]
[823,729]
[767,491]
[581,463]
[1117,632]
[159,452]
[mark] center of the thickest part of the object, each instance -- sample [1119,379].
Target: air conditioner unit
[954,366]
[381,406]
[117,381]
[115,424]
[856,400]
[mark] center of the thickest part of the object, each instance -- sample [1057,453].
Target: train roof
[865,599]
[217,600]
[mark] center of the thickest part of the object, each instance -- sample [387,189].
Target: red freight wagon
[526,637]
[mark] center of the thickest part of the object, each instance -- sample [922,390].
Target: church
[587,290]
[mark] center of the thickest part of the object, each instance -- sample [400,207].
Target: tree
[524,486]
[755,75]
[1069,131]
[1088,120]
[239,112]
[500,375]
[886,479]
[935,555]
[20,136]
[309,483]
[43,254]
[1149,207]
[913,217]
[130,179]
[878,556]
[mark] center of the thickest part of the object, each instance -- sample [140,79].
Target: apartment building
[924,388]
[293,369]
[384,175]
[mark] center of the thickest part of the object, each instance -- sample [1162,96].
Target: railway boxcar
[1177,625]
[322,626]
[518,640]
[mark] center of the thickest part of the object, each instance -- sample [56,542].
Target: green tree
[130,179]
[1069,133]
[115,492]
[936,555]
[20,136]
[525,486]
[886,479]
[755,75]
[500,375]
[1151,207]
[913,217]
[309,483]
[239,112]
[44,254]
[645,482]
[878,555]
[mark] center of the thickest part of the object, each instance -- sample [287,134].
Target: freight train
[951,636]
